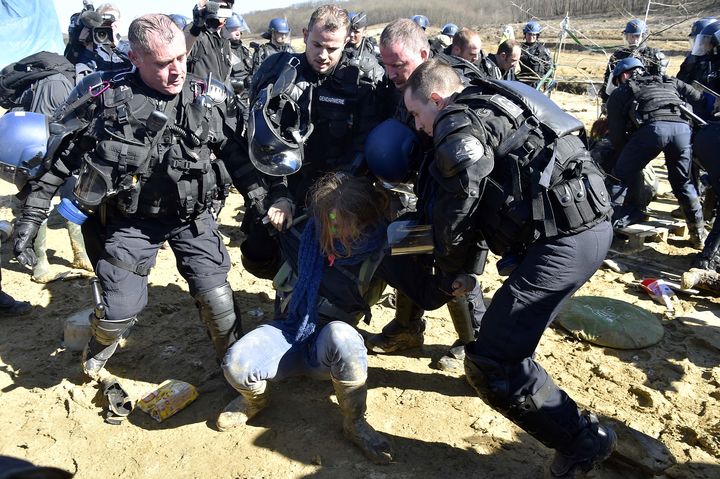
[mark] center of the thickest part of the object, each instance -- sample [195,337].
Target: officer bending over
[143,144]
[548,211]
[645,118]
[403,45]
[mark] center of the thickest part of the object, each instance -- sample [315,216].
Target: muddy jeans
[264,354]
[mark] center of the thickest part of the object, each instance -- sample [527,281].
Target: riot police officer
[143,144]
[635,36]
[466,44]
[278,36]
[362,50]
[547,209]
[506,59]
[404,47]
[359,40]
[697,67]
[312,110]
[209,51]
[240,73]
[535,60]
[705,146]
[441,42]
[645,118]
[707,43]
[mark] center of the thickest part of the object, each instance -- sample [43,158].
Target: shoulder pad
[458,152]
[453,118]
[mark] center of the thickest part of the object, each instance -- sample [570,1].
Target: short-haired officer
[511,170]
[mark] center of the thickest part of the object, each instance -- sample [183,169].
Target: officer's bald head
[428,90]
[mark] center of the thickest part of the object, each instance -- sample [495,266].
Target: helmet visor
[702,45]
[632,39]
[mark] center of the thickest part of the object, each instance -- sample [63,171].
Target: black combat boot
[709,258]
[592,445]
[403,332]
[461,315]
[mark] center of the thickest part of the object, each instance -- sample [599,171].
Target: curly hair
[345,207]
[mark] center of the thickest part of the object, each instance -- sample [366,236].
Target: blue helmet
[532,27]
[450,29]
[180,20]
[698,25]
[279,25]
[390,149]
[624,65]
[23,144]
[635,27]
[421,20]
[237,21]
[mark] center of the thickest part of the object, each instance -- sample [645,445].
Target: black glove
[198,22]
[26,229]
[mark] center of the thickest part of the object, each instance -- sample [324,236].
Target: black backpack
[19,76]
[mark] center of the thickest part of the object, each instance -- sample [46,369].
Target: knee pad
[217,311]
[108,332]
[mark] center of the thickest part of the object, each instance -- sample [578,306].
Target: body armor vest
[158,168]
[544,182]
[655,98]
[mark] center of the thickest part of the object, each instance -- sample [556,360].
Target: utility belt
[670,113]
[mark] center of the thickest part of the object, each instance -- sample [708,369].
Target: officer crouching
[529,185]
[143,145]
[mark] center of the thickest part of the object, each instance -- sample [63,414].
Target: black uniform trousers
[133,243]
[520,311]
[674,140]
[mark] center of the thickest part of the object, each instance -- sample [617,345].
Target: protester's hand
[280,215]
[463,284]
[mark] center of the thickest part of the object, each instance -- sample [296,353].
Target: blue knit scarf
[302,312]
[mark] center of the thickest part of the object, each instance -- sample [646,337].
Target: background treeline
[477,12]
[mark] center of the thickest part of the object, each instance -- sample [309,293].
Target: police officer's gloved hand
[198,22]
[26,229]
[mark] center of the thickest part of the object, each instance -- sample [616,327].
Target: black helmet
[277,131]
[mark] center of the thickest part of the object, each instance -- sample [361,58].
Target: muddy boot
[697,235]
[461,316]
[591,446]
[41,270]
[352,396]
[80,256]
[703,279]
[405,331]
[709,257]
[243,408]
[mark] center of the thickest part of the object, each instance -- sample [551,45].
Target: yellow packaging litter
[170,397]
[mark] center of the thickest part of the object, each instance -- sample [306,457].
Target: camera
[103,35]
[215,12]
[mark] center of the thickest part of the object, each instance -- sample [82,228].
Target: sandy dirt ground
[51,416]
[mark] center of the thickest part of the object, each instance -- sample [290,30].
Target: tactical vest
[655,98]
[544,182]
[156,169]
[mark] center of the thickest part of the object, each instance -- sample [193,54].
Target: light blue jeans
[264,354]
